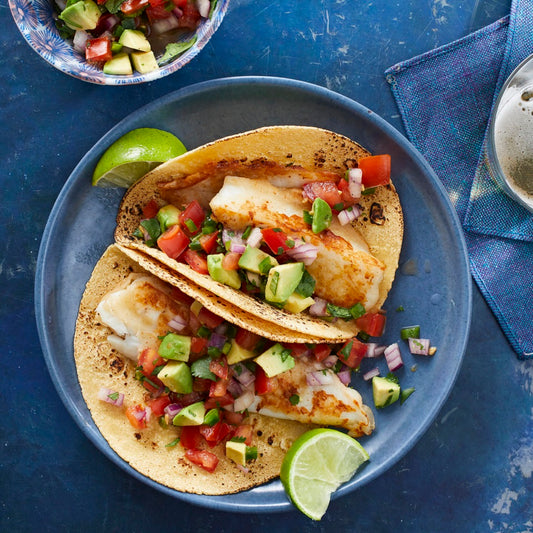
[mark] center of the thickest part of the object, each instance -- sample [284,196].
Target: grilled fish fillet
[329,404]
[138,311]
[345,272]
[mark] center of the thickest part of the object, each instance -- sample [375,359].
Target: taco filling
[205,375]
[291,246]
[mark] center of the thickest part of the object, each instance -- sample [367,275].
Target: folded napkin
[445,97]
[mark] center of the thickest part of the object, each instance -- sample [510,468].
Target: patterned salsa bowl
[36,21]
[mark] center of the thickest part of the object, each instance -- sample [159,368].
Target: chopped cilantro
[277,230]
[113,396]
[251,453]
[200,369]
[405,393]
[339,206]
[308,217]
[294,399]
[274,282]
[392,378]
[400,309]
[191,226]
[286,353]
[346,349]
[339,312]
[172,443]
[307,284]
[357,310]
[153,228]
[175,49]
[246,232]
[238,439]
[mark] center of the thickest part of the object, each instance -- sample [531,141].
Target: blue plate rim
[220,502]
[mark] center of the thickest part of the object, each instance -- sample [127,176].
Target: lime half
[133,155]
[316,465]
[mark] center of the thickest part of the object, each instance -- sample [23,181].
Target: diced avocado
[176,375]
[237,353]
[275,360]
[255,260]
[168,215]
[144,62]
[236,451]
[82,15]
[282,281]
[116,47]
[384,391]
[192,415]
[119,65]
[220,274]
[135,39]
[297,303]
[174,346]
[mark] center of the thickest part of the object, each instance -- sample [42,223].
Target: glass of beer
[510,138]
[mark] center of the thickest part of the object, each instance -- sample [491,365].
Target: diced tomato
[327,190]
[198,344]
[192,217]
[376,170]
[321,351]
[218,388]
[188,399]
[196,260]
[191,16]
[263,383]
[209,242]
[190,437]
[129,7]
[209,319]
[137,416]
[100,2]
[220,367]
[352,352]
[216,434]
[98,49]
[203,458]
[173,241]
[180,3]
[149,359]
[372,324]
[201,384]
[219,401]
[152,384]
[231,417]
[246,431]
[157,405]
[246,339]
[346,196]
[150,209]
[276,240]
[297,349]
[157,12]
[231,261]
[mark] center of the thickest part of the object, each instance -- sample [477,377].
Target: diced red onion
[79,41]
[245,377]
[178,323]
[106,24]
[243,401]
[173,409]
[194,322]
[330,361]
[222,328]
[104,395]
[216,340]
[204,6]
[163,25]
[319,377]
[242,468]
[419,346]
[235,388]
[61,4]
[237,247]
[348,215]
[345,376]
[255,238]
[319,308]
[178,13]
[374,350]
[371,374]
[355,180]
[393,357]
[304,252]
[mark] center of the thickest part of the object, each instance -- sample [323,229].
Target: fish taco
[298,226]
[193,401]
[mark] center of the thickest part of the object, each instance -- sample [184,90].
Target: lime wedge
[316,465]
[133,155]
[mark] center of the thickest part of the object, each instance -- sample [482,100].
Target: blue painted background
[472,471]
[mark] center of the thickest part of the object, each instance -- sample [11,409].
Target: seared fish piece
[345,272]
[138,311]
[329,404]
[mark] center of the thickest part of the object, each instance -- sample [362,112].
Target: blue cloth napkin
[445,97]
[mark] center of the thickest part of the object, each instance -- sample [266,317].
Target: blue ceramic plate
[35,20]
[432,285]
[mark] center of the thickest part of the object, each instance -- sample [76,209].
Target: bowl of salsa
[118,42]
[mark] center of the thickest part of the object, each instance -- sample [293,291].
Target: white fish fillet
[345,272]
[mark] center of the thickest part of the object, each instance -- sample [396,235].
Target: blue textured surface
[471,471]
